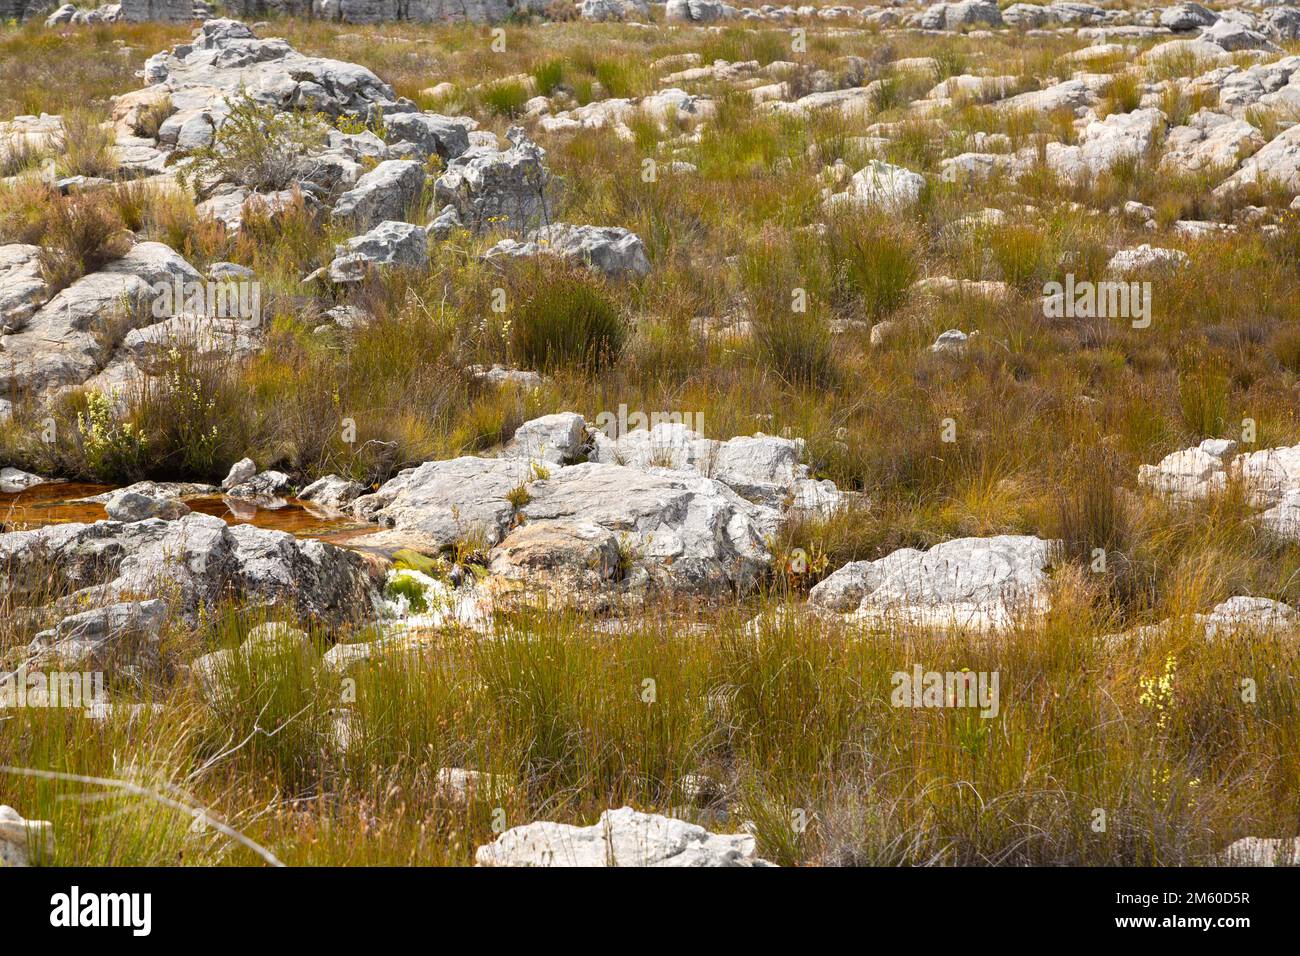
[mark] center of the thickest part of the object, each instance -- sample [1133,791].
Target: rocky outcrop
[57,346]
[623,837]
[192,563]
[508,189]
[967,583]
[611,250]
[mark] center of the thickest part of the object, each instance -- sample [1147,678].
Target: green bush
[568,318]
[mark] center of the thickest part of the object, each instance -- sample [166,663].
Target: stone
[389,244]
[133,506]
[696,11]
[507,189]
[193,562]
[1146,258]
[14,480]
[983,584]
[92,638]
[1277,162]
[264,486]
[144,11]
[239,473]
[880,185]
[1192,474]
[58,346]
[1233,36]
[611,250]
[614,10]
[461,787]
[1187,16]
[387,192]
[1261,851]
[436,135]
[1104,143]
[1270,475]
[23,289]
[623,837]
[1210,141]
[23,842]
[952,342]
[332,492]
[557,438]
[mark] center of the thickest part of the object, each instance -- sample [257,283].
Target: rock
[1146,258]
[606,10]
[214,672]
[1029,16]
[880,185]
[240,472]
[555,438]
[696,11]
[13,481]
[22,286]
[264,486]
[1191,474]
[156,489]
[389,244]
[225,57]
[1232,36]
[193,562]
[952,342]
[435,135]
[1277,163]
[765,469]
[975,583]
[611,250]
[58,346]
[954,16]
[133,506]
[1210,141]
[623,837]
[1281,23]
[23,842]
[1270,475]
[387,192]
[92,638]
[1072,95]
[332,492]
[499,375]
[144,11]
[1187,16]
[445,223]
[461,787]
[1104,143]
[1261,851]
[61,16]
[502,189]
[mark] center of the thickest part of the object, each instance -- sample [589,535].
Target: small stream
[61,503]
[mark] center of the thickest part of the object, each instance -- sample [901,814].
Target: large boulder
[1261,851]
[1210,141]
[955,16]
[623,837]
[508,189]
[90,639]
[611,250]
[880,185]
[967,583]
[1187,16]
[22,286]
[58,345]
[1104,143]
[434,134]
[143,11]
[389,244]
[1191,474]
[192,563]
[388,192]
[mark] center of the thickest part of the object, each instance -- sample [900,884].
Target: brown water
[57,503]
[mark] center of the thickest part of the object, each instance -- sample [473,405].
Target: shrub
[568,318]
[86,148]
[874,263]
[506,98]
[257,146]
[81,235]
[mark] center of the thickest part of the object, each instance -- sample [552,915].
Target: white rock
[976,583]
[622,837]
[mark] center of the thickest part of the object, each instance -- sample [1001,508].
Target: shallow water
[56,503]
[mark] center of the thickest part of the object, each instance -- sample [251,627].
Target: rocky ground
[671,378]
